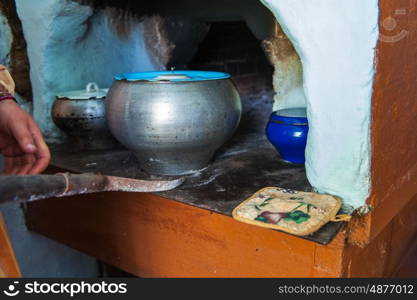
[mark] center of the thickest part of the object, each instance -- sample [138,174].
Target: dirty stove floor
[240,168]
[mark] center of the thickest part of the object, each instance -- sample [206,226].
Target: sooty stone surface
[240,168]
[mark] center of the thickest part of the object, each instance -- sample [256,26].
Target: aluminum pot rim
[171,82]
[173,76]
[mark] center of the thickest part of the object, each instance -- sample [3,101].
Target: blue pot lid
[172,76]
[290,115]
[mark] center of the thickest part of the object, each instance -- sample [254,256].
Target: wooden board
[392,253]
[8,263]
[394,115]
[151,236]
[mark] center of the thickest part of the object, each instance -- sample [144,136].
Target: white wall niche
[336,41]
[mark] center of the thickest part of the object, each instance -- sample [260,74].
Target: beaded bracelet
[7,96]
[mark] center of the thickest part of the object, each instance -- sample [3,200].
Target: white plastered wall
[6,40]
[336,42]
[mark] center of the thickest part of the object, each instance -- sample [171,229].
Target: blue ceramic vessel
[287,130]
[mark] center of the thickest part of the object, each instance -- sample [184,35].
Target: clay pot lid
[173,76]
[92,91]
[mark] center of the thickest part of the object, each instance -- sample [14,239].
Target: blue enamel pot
[287,130]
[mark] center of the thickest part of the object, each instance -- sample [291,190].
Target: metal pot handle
[92,87]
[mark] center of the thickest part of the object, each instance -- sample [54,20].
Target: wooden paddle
[36,187]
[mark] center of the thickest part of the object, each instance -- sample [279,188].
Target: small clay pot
[287,130]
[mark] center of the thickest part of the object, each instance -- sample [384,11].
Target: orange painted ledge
[151,236]
[8,264]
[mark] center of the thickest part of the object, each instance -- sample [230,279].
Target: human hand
[21,142]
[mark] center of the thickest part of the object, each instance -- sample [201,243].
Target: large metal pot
[81,115]
[173,121]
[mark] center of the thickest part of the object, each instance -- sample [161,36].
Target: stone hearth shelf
[242,167]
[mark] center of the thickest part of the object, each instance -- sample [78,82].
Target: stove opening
[80,41]
[225,36]
[231,47]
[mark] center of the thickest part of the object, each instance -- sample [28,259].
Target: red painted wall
[394,108]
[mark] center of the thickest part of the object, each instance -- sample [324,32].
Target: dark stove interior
[217,35]
[231,47]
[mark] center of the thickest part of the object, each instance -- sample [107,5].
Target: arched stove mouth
[231,47]
[322,51]
[241,37]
